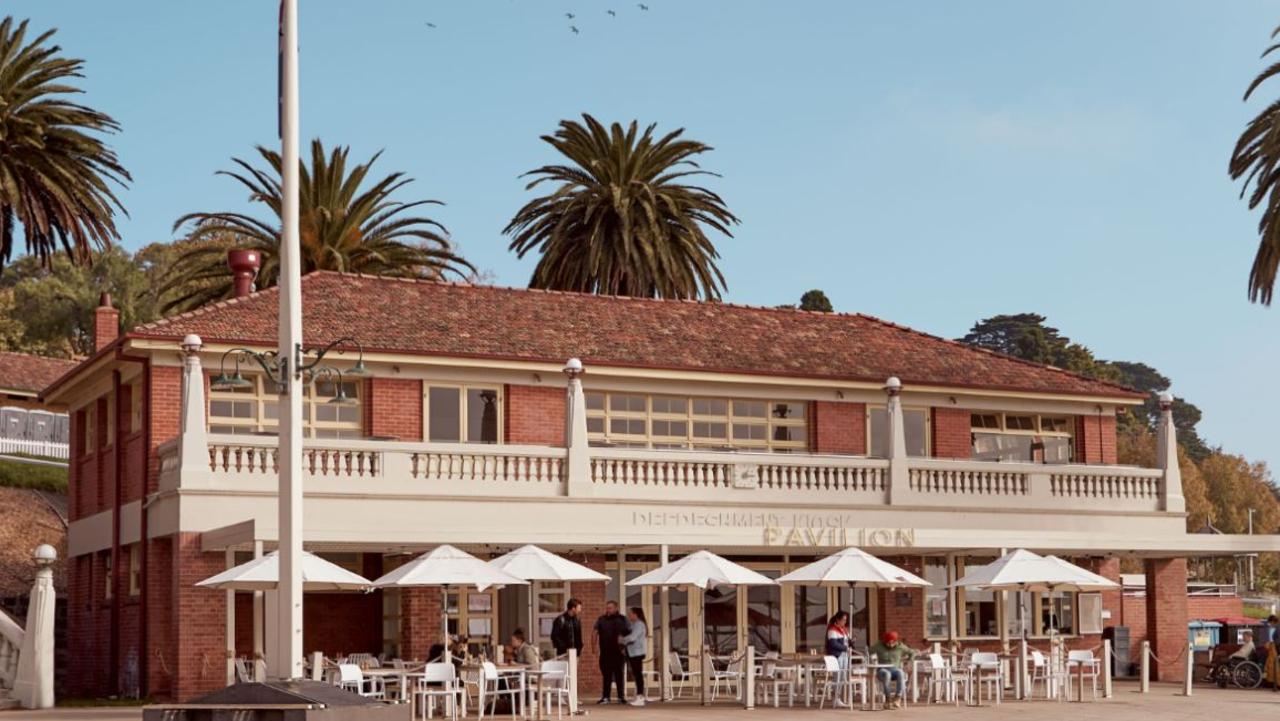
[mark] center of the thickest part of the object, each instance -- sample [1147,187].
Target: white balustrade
[244,462]
[11,635]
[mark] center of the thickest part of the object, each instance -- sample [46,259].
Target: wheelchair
[1239,672]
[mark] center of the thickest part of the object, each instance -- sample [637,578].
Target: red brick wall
[160,657]
[837,427]
[534,415]
[393,408]
[951,433]
[1167,615]
[198,657]
[165,401]
[902,610]
[593,596]
[1096,439]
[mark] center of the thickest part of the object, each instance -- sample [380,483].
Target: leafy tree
[54,303]
[1142,377]
[816,300]
[621,219]
[56,174]
[342,228]
[1254,160]
[1138,448]
[1025,336]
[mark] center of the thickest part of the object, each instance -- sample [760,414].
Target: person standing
[610,629]
[566,630]
[634,646]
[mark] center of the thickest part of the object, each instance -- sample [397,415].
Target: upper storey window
[915,427]
[254,409]
[1026,437]
[639,420]
[463,414]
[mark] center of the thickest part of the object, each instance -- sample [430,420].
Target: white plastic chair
[941,676]
[438,681]
[1082,662]
[989,671]
[832,682]
[555,684]
[351,678]
[772,680]
[490,685]
[680,678]
[730,675]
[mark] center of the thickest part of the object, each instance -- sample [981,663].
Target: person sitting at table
[525,654]
[892,654]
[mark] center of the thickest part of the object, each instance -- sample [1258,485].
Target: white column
[899,477]
[664,629]
[1167,456]
[33,683]
[578,465]
[620,593]
[289,654]
[193,444]
[231,624]
[259,626]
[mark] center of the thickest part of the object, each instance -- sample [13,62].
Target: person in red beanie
[894,655]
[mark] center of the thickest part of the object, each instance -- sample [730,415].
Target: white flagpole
[290,408]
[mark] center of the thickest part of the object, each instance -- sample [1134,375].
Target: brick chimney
[244,265]
[106,322]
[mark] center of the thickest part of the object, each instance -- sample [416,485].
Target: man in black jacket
[609,630]
[566,630]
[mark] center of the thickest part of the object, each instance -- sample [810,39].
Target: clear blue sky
[929,162]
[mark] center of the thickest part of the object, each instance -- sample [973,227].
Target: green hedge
[15,474]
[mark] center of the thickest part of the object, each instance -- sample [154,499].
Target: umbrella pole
[444,623]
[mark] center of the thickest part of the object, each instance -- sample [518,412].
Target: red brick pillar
[593,596]
[1167,616]
[535,415]
[1096,439]
[902,610]
[199,656]
[420,621]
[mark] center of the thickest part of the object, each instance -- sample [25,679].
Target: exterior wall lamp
[276,368]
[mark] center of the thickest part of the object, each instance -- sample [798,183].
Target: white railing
[365,466]
[11,635]
[48,449]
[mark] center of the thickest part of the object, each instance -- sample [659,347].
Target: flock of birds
[571,17]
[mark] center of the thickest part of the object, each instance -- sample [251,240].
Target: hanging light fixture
[277,369]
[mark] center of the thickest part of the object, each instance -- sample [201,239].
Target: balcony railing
[361,466]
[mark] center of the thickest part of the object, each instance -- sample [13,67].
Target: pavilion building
[770,436]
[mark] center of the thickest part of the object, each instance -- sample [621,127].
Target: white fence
[49,449]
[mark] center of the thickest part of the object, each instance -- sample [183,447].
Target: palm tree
[621,220]
[341,228]
[56,174]
[1255,159]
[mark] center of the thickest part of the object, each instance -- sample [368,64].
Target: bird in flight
[569,15]
[612,13]
[431,25]
[574,28]
[642,6]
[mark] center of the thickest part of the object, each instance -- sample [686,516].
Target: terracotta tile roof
[24,372]
[460,320]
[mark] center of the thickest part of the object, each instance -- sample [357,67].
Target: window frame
[261,398]
[605,415]
[463,429]
[928,426]
[1037,432]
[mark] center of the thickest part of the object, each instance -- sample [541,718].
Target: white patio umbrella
[703,570]
[446,567]
[263,574]
[1022,570]
[852,568]
[535,564]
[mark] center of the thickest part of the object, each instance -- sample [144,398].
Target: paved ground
[1164,703]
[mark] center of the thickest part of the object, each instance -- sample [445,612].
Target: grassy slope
[14,474]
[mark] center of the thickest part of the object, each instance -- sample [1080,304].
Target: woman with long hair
[633,646]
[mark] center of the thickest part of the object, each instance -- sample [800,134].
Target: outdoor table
[872,669]
[920,661]
[507,671]
[537,675]
[802,668]
[1081,667]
